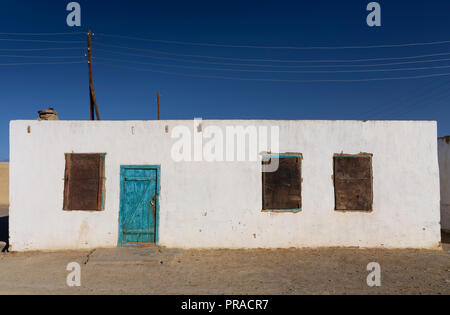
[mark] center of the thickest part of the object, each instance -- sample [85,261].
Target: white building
[444,170]
[87,184]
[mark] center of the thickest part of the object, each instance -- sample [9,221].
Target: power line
[40,41]
[405,101]
[50,57]
[41,63]
[41,49]
[278,80]
[418,101]
[406,97]
[41,34]
[273,47]
[277,66]
[262,60]
[276,71]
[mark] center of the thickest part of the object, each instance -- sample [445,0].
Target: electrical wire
[273,47]
[41,34]
[278,80]
[41,63]
[49,57]
[276,71]
[41,49]
[429,97]
[40,41]
[269,60]
[276,66]
[404,102]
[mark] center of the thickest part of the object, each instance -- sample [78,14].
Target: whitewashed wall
[218,204]
[444,170]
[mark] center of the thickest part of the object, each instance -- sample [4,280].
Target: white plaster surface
[444,171]
[218,204]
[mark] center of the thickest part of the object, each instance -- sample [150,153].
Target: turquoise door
[138,205]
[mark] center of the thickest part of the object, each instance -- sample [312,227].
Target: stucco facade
[444,170]
[218,204]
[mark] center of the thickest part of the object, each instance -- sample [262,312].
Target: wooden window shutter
[353,182]
[282,188]
[83,182]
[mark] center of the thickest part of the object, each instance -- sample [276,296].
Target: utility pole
[159,112]
[92,98]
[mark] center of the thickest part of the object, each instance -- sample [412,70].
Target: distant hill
[4,184]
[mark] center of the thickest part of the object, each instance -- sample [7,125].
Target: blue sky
[126,84]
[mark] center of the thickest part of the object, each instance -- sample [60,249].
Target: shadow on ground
[4,228]
[445,237]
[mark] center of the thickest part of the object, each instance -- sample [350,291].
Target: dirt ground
[282,271]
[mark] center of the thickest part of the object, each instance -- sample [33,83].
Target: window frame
[101,186]
[360,155]
[280,156]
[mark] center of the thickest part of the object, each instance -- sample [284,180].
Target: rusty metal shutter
[282,188]
[83,182]
[353,182]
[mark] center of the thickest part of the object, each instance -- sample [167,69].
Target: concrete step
[133,256]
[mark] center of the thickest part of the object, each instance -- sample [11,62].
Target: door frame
[157,168]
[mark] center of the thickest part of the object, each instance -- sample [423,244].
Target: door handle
[152,202]
[153,205]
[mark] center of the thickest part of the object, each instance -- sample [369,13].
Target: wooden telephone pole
[92,98]
[159,112]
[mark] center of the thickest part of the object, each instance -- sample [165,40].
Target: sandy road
[283,271]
